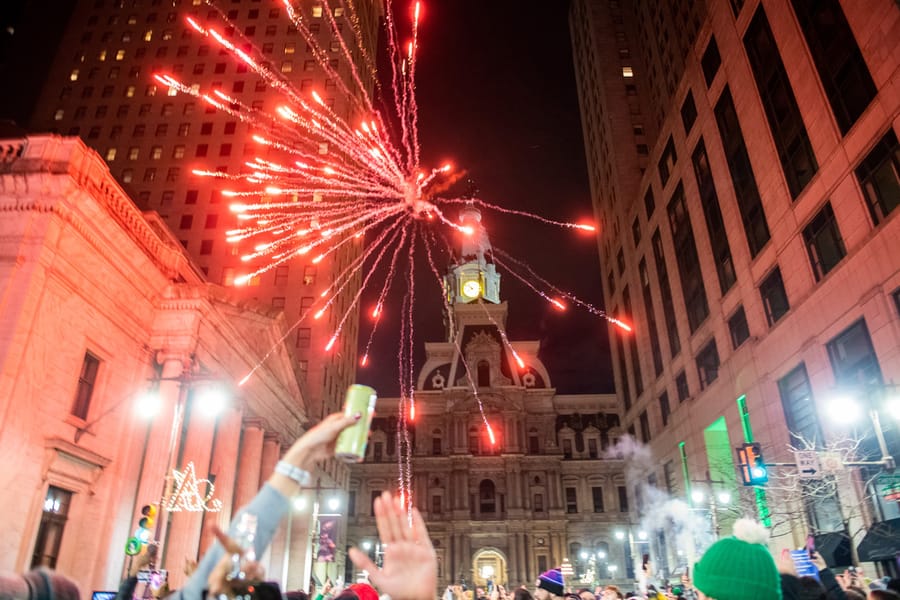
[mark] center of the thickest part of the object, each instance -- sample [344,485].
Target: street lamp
[715,501]
[845,408]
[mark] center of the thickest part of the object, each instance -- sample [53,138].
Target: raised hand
[410,564]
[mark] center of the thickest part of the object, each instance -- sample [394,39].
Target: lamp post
[332,506]
[713,500]
[211,399]
[846,409]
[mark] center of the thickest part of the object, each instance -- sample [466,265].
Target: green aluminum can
[351,443]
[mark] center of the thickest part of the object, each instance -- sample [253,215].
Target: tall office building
[101,88]
[745,170]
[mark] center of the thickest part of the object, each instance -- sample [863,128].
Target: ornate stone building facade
[542,491]
[100,305]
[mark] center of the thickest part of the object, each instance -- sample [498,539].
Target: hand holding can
[351,443]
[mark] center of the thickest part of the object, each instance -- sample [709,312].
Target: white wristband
[302,477]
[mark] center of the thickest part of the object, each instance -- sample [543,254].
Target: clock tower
[475,276]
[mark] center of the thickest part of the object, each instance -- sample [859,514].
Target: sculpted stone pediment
[490,401]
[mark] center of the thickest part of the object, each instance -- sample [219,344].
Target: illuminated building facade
[544,490]
[110,342]
[745,171]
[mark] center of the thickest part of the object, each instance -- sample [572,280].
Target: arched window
[484,374]
[487,496]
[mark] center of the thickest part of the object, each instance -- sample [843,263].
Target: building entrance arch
[489,564]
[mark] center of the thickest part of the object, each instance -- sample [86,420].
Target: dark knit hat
[739,567]
[44,584]
[552,581]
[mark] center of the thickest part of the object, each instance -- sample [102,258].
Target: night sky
[497,98]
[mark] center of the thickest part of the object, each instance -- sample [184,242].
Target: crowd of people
[739,567]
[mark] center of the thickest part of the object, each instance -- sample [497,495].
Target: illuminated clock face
[471,289]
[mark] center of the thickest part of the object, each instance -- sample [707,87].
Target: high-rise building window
[53,524]
[90,365]
[534,444]
[281,274]
[571,500]
[664,410]
[623,370]
[620,261]
[738,328]
[749,202]
[688,261]
[710,61]
[669,476]
[206,247]
[842,69]
[649,203]
[681,386]
[774,297]
[688,112]
[667,161]
[652,331]
[800,409]
[303,337]
[632,346]
[436,504]
[597,497]
[715,226]
[708,364]
[853,357]
[309,275]
[879,176]
[191,197]
[823,242]
[487,497]
[645,427]
[665,293]
[636,231]
[788,131]
[186,221]
[538,503]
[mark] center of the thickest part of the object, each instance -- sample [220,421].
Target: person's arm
[833,589]
[271,502]
[126,588]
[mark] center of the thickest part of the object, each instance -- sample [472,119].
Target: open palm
[409,571]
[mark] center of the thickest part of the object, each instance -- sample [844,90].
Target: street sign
[807,463]
[831,462]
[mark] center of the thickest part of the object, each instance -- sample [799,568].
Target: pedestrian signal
[751,464]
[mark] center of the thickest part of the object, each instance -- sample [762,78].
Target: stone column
[183,539]
[159,444]
[249,464]
[223,467]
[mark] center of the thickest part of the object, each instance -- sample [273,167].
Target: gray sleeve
[269,506]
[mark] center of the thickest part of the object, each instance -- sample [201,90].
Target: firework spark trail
[587,306]
[343,180]
[521,213]
[502,332]
[376,313]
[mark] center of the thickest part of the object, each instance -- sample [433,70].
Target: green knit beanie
[739,567]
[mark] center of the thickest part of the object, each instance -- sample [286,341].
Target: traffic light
[144,531]
[751,463]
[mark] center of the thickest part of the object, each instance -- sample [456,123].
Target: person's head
[739,567]
[522,594]
[586,594]
[296,595]
[801,588]
[549,585]
[611,592]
